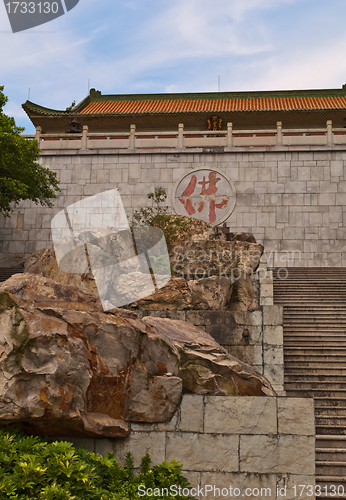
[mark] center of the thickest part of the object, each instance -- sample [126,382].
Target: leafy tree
[21,177]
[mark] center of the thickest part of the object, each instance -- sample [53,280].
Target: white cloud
[181,46]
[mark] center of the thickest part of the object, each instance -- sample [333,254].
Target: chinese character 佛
[207,195]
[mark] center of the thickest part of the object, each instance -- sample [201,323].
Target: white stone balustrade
[182,139]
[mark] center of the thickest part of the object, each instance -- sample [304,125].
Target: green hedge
[32,468]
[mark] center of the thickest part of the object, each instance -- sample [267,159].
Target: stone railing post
[181,136]
[132,137]
[329,133]
[279,133]
[38,134]
[85,137]
[229,134]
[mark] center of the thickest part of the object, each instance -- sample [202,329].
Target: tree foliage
[158,216]
[21,177]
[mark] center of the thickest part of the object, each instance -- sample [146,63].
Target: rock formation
[69,368]
[212,269]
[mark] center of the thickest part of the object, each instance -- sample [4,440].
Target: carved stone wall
[294,201]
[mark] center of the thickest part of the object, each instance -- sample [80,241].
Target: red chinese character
[207,195]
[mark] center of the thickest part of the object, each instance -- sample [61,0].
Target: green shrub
[32,468]
[158,216]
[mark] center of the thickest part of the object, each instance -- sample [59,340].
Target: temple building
[271,163]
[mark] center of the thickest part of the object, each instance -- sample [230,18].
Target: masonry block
[273,335]
[290,411]
[191,413]
[272,315]
[203,452]
[139,443]
[240,415]
[269,454]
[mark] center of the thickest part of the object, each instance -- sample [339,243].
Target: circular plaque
[205,194]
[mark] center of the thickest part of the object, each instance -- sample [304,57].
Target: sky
[163,46]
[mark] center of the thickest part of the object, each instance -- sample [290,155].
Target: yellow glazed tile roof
[215,105]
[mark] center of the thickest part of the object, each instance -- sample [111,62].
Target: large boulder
[209,274]
[69,368]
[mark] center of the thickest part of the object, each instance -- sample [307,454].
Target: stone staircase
[314,301]
[6,272]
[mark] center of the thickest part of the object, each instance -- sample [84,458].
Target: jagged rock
[69,368]
[205,258]
[194,230]
[44,262]
[176,295]
[216,291]
[240,237]
[205,254]
[236,261]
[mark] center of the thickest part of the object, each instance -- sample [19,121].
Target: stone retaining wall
[243,442]
[253,337]
[293,201]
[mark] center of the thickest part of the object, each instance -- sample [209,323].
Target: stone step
[308,302]
[7,272]
[314,343]
[315,325]
[321,347]
[298,392]
[313,285]
[323,386]
[327,401]
[315,370]
[336,351]
[331,487]
[308,284]
[320,326]
[314,335]
[330,420]
[330,441]
[320,333]
[313,314]
[338,381]
[330,411]
[313,296]
[319,359]
[312,290]
[331,429]
[331,454]
[326,468]
[309,310]
[335,319]
[312,318]
[314,360]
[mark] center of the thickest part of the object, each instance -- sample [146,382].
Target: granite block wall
[294,201]
[261,447]
[256,337]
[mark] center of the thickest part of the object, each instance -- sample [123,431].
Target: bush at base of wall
[32,468]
